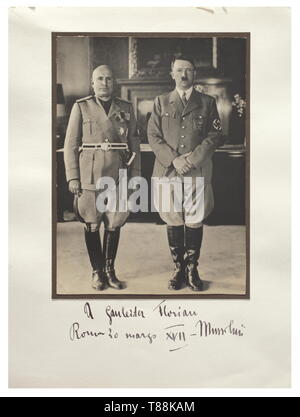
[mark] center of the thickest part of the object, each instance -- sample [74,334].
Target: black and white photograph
[151,165]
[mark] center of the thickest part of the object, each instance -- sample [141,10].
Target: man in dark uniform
[184,130]
[101,138]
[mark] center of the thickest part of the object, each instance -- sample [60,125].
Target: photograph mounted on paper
[151,165]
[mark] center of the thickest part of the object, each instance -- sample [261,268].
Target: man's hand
[75,187]
[182,165]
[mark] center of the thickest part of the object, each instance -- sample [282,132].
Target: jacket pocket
[165,121]
[87,127]
[198,121]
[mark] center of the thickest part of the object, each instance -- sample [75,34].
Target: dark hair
[182,58]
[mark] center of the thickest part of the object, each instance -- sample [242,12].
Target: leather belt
[105,146]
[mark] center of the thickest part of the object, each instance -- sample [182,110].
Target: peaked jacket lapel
[176,102]
[192,103]
[100,114]
[114,108]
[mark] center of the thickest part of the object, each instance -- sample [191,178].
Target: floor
[144,264]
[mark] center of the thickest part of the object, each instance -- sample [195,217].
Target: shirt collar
[102,101]
[187,92]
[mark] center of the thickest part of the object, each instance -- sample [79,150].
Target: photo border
[54,35]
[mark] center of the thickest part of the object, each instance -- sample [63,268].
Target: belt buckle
[105,146]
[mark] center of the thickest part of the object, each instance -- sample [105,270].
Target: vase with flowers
[237,124]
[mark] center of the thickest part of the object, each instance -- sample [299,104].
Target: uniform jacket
[89,123]
[174,130]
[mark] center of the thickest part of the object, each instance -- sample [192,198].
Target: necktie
[184,100]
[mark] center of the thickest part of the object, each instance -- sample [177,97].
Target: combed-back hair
[182,58]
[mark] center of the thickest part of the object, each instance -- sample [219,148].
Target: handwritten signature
[178,335]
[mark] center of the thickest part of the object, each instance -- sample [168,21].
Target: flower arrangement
[239,105]
[237,128]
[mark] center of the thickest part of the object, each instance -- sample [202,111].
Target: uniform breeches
[87,208]
[183,201]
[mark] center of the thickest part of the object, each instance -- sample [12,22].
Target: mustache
[184,78]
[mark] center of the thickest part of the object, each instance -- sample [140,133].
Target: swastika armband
[217,124]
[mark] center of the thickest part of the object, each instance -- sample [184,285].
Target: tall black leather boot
[176,244]
[110,247]
[193,241]
[93,244]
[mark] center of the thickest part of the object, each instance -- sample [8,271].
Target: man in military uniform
[101,139]
[184,130]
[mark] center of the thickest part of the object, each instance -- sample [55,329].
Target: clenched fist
[75,187]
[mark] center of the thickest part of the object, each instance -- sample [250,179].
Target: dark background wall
[78,55]
[232,63]
[73,67]
[111,51]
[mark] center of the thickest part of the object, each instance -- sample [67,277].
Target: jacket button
[182,136]
[183,127]
[182,146]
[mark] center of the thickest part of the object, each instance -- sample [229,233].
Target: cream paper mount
[62,343]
